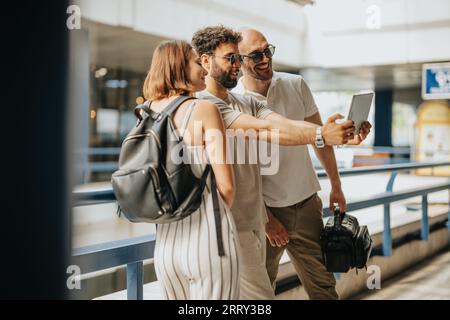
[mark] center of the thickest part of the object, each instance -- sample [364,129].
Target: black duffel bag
[345,244]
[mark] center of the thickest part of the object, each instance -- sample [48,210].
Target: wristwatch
[320,143]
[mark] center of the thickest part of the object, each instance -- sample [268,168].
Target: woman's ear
[205,60]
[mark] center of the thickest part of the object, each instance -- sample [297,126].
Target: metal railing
[89,167]
[132,252]
[389,196]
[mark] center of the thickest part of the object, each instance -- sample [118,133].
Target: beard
[222,77]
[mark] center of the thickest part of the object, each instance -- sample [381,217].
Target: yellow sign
[433,136]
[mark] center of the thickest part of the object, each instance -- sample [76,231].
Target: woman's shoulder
[206,107]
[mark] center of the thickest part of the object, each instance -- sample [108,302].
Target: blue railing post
[390,184]
[424,229]
[387,237]
[135,280]
[448,217]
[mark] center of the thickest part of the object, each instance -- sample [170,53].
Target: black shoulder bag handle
[338,217]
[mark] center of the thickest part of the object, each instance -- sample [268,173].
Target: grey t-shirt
[248,208]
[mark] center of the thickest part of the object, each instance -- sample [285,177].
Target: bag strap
[218,222]
[338,216]
[138,109]
[216,208]
[175,104]
[186,118]
[171,107]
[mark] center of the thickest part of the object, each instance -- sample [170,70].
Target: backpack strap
[175,104]
[171,107]
[139,108]
[186,118]
[217,220]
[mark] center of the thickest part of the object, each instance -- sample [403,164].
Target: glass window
[403,120]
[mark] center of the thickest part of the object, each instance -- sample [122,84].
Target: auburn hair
[167,75]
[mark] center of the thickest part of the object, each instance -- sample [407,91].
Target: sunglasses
[258,55]
[233,58]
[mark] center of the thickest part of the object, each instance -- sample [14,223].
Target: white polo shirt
[296,180]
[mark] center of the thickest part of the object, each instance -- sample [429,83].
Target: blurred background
[396,48]
[339,47]
[79,74]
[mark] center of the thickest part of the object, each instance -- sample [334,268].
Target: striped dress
[187,262]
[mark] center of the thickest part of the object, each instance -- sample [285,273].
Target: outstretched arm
[292,132]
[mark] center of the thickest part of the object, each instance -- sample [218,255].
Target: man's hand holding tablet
[359,113]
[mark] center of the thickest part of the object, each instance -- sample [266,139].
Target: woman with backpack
[191,260]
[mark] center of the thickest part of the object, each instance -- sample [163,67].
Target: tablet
[359,109]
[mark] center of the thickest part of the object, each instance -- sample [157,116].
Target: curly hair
[206,40]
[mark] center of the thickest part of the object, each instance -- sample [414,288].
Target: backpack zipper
[136,136]
[155,174]
[151,132]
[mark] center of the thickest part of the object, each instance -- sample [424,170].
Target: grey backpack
[149,186]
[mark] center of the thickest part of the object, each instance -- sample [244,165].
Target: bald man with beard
[293,207]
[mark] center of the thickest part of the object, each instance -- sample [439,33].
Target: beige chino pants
[304,224]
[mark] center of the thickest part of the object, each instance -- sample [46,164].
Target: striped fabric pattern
[186,259]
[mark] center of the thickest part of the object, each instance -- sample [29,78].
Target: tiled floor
[429,280]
